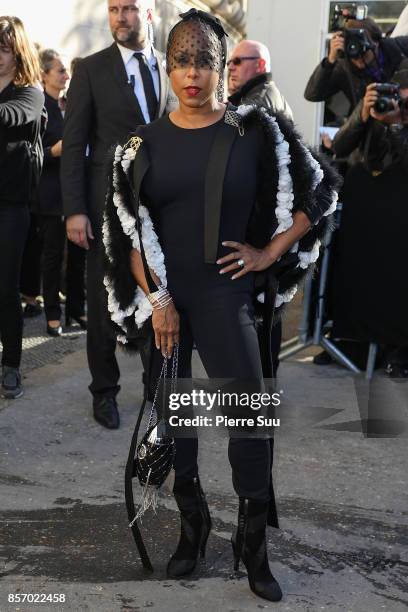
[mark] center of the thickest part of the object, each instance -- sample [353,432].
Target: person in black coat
[351,76]
[21,104]
[111,93]
[374,307]
[250,78]
[49,210]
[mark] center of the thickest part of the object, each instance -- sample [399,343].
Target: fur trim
[293,178]
[302,185]
[138,307]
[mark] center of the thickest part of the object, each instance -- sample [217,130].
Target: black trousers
[30,282]
[14,224]
[53,238]
[75,280]
[101,344]
[221,323]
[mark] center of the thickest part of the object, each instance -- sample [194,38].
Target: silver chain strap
[163,376]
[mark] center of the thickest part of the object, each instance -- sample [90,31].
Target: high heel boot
[195,528]
[249,544]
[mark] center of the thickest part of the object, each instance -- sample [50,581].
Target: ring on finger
[241,263]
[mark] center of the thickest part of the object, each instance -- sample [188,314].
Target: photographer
[371,302]
[355,60]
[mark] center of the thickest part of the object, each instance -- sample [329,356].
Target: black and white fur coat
[292,178]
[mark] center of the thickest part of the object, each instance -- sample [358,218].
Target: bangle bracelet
[159,299]
[161,306]
[157,295]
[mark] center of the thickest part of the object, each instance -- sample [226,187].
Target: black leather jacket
[262,91]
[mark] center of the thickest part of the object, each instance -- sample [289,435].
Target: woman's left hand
[253,260]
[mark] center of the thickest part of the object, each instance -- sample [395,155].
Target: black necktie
[148,85]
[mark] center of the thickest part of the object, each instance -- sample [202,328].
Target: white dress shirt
[133,72]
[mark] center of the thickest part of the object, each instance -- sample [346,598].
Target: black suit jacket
[101,111]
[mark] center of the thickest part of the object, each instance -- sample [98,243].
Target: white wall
[80,27]
[293,31]
[73,27]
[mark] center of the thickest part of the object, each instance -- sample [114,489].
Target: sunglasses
[237,61]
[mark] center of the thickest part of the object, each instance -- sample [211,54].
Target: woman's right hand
[166,326]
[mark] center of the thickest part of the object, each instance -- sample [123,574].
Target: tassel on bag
[156,451]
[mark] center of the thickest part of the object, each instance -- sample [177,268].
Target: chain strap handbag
[156,451]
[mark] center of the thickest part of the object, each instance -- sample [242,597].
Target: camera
[356,43]
[342,14]
[389,92]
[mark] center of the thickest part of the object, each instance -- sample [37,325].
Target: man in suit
[111,93]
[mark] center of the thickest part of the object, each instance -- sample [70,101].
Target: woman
[203,263]
[51,222]
[21,103]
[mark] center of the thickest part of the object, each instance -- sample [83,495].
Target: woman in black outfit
[21,103]
[200,284]
[50,219]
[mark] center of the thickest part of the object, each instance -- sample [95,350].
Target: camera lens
[353,49]
[384,105]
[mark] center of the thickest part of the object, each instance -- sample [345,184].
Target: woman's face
[7,62]
[57,77]
[194,62]
[194,86]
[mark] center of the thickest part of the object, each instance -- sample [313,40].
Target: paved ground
[342,496]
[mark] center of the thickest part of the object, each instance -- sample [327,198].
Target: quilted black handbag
[152,458]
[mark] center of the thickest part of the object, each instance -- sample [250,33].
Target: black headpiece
[198,38]
[214,22]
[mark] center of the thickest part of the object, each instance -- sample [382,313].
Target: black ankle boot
[195,528]
[249,544]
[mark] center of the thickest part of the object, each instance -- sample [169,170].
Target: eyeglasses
[237,61]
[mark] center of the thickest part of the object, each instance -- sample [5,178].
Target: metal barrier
[320,327]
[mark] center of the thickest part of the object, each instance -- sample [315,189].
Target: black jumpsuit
[215,312]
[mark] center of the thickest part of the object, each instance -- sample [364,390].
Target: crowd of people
[54,182]
[368,301]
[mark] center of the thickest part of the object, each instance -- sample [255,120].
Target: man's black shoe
[106,412]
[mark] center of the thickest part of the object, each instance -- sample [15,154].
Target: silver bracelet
[157,295]
[161,305]
[159,299]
